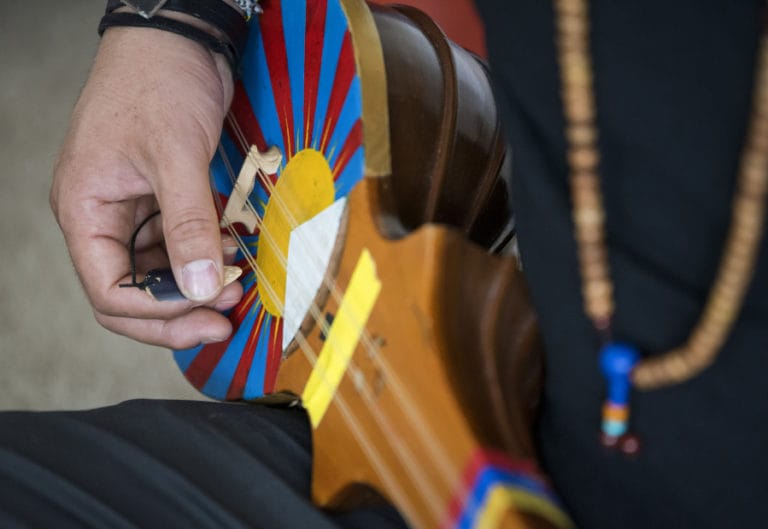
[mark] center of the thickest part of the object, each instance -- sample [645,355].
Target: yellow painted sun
[304,189]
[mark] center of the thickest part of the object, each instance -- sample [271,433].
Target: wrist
[219,25]
[222,64]
[159,59]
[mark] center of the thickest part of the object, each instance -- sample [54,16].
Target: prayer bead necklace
[621,363]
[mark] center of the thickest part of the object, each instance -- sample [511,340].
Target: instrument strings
[399,389]
[434,448]
[376,459]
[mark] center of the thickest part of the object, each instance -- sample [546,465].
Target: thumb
[191,230]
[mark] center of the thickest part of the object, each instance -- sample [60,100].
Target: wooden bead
[754,183]
[589,237]
[581,135]
[704,347]
[596,272]
[583,158]
[584,198]
[593,261]
[572,7]
[576,70]
[588,214]
[572,24]
[589,218]
[758,135]
[597,311]
[572,42]
[598,288]
[579,108]
[585,180]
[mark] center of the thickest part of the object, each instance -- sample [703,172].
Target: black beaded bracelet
[231,25]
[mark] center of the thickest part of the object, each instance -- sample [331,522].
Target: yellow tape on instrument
[502,499]
[343,336]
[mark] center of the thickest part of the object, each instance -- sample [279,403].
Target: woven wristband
[231,25]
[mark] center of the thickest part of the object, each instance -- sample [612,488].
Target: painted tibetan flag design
[299,92]
[494,484]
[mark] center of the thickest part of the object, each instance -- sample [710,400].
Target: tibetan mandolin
[363,174]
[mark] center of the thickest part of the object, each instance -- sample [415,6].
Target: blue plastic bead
[616,363]
[615,428]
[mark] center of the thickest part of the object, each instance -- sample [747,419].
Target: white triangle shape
[309,253]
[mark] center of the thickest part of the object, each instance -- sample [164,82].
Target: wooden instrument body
[446,381]
[442,385]
[449,160]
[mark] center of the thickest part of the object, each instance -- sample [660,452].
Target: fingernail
[228,244]
[230,254]
[200,279]
[230,251]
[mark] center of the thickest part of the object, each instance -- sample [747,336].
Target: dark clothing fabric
[165,464]
[673,84]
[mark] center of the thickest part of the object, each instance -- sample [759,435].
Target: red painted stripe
[199,371]
[242,112]
[354,141]
[313,56]
[274,356]
[240,379]
[345,72]
[201,368]
[241,310]
[277,61]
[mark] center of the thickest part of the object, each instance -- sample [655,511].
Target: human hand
[142,135]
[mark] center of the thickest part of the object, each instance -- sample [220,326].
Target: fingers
[108,297]
[199,326]
[141,139]
[97,239]
[191,228]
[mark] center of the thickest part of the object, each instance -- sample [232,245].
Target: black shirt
[673,84]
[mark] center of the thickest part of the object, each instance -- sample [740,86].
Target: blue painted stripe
[295,31]
[335,28]
[494,476]
[184,358]
[222,179]
[352,174]
[254,387]
[218,384]
[350,113]
[258,84]
[249,281]
[491,477]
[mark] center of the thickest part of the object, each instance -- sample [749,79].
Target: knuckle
[103,320]
[191,225]
[101,304]
[172,338]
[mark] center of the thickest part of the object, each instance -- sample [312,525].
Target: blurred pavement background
[53,355]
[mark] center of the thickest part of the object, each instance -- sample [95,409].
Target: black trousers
[165,464]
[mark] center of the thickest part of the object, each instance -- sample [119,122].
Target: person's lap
[164,464]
